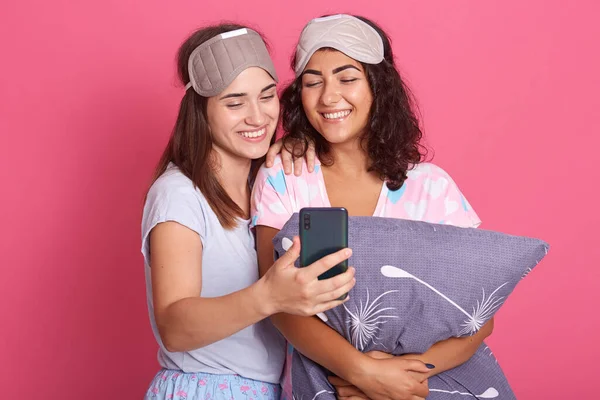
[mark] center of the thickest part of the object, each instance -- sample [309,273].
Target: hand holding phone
[299,291]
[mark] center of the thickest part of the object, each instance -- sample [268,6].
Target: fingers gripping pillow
[418,283]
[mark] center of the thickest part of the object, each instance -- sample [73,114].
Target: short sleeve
[457,210]
[271,204]
[464,216]
[172,197]
[448,205]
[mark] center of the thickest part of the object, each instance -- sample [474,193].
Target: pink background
[88,97]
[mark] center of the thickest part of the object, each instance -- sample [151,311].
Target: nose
[256,116]
[330,95]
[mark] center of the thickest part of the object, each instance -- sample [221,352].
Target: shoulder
[172,185]
[173,197]
[427,170]
[275,177]
[276,196]
[445,200]
[265,172]
[278,166]
[431,178]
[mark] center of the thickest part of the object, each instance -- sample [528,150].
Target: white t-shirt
[229,264]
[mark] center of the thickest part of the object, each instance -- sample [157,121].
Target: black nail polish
[430,366]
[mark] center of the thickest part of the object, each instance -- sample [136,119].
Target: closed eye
[311,84]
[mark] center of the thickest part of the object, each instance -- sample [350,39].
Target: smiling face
[336,96]
[243,118]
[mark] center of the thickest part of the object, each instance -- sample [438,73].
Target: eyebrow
[230,95]
[334,71]
[343,67]
[272,85]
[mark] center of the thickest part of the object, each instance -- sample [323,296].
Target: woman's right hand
[291,159]
[393,378]
[298,291]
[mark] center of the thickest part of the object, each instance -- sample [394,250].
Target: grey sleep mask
[345,33]
[217,62]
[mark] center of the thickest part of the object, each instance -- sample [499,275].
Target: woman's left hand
[291,162]
[347,391]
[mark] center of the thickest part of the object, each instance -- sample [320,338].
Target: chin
[338,137]
[255,154]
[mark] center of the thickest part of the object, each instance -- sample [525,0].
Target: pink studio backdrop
[88,96]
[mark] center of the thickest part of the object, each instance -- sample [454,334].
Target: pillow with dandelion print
[418,283]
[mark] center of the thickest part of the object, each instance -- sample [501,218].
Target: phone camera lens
[306,221]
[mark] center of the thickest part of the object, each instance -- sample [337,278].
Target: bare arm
[185,320]
[451,353]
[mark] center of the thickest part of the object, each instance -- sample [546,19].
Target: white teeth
[337,115]
[254,134]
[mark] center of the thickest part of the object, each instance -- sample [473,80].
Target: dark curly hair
[393,136]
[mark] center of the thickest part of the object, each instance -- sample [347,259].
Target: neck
[232,173]
[349,158]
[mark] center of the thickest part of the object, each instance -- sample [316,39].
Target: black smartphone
[323,231]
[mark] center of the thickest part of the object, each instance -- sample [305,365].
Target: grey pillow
[417,284]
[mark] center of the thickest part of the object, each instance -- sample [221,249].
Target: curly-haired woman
[349,100]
